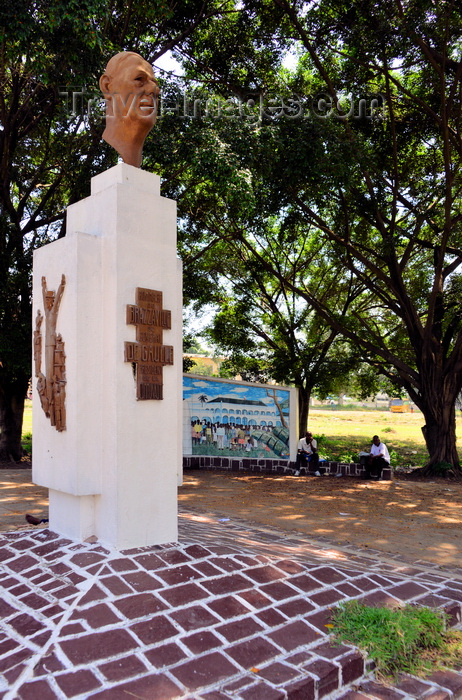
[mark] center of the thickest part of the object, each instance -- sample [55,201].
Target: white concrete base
[113,472]
[72,516]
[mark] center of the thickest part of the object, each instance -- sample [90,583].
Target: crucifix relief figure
[148,353]
[51,384]
[131,91]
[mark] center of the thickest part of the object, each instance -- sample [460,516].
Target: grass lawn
[342,434]
[27,420]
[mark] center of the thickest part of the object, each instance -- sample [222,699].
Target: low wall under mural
[267,466]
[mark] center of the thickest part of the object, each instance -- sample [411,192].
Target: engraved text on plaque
[147,352]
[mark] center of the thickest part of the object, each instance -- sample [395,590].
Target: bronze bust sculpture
[130,90]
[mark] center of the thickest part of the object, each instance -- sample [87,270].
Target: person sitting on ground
[377,460]
[308,455]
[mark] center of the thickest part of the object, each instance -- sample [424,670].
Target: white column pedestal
[113,472]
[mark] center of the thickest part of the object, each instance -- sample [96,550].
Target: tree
[270,332]
[37,173]
[273,336]
[396,221]
[203,398]
[380,186]
[48,154]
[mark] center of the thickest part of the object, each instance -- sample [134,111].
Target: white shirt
[305,446]
[380,451]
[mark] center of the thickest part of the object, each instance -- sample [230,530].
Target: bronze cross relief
[147,352]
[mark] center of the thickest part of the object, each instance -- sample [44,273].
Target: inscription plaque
[148,353]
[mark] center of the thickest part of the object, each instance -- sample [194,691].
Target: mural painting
[228,418]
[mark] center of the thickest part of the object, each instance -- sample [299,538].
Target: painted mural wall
[237,419]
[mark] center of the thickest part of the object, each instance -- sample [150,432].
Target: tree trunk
[439,432]
[303,410]
[12,396]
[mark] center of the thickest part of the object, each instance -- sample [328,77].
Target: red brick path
[231,613]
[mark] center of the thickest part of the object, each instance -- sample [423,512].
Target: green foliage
[26,442]
[49,49]
[354,217]
[322,243]
[395,639]
[261,326]
[352,433]
[250,369]
[334,449]
[188,364]
[191,344]
[368,382]
[341,449]
[348,457]
[442,468]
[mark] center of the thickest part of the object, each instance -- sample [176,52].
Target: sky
[194,387]
[167,63]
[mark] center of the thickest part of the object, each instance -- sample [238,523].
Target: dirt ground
[418,519]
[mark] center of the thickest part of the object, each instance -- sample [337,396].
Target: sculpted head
[130,90]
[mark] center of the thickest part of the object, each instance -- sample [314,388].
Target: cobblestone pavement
[231,612]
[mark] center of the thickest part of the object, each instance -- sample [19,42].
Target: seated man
[307,455]
[377,460]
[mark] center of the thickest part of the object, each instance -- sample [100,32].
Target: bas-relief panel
[51,384]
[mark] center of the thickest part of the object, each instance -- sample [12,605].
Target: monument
[107,406]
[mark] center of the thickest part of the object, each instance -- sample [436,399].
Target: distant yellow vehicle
[399,406]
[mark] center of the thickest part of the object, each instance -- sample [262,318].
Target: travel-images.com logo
[258,108]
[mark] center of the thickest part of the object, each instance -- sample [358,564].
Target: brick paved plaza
[229,612]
